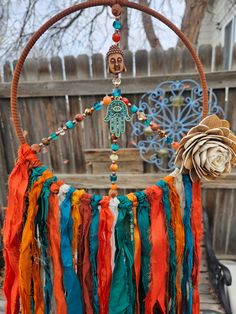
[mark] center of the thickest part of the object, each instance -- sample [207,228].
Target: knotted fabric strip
[122,296]
[197,229]
[157,294]
[17,186]
[70,280]
[137,249]
[85,270]
[186,285]
[29,266]
[54,248]
[93,244]
[104,254]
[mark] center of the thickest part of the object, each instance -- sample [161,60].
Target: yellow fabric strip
[76,217]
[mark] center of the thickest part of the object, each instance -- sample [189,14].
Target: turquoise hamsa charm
[117,114]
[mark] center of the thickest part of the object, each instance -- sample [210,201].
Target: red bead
[154,126]
[126,101]
[79,117]
[113,137]
[116,37]
[175,145]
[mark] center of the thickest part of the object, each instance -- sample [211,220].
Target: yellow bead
[114,157]
[107,100]
[114,167]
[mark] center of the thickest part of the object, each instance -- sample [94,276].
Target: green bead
[134,109]
[70,124]
[147,122]
[53,136]
[115,147]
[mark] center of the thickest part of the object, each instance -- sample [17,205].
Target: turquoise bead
[113,177]
[97,106]
[53,136]
[169,140]
[116,92]
[115,147]
[117,25]
[70,124]
[134,109]
[147,122]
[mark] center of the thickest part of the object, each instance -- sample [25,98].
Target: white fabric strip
[113,206]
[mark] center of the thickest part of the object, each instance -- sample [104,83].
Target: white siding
[216,18]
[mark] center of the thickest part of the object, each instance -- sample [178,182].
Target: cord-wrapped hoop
[81,6]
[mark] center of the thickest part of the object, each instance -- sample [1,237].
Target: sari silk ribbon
[186,285]
[77,220]
[104,254]
[137,249]
[156,296]
[197,229]
[85,272]
[143,218]
[171,237]
[41,226]
[54,248]
[93,245]
[29,266]
[17,186]
[70,280]
[122,295]
[178,228]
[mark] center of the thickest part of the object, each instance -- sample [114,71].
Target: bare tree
[192,19]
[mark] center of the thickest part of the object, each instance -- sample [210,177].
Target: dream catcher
[67,251]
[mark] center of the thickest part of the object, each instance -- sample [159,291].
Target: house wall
[217,16]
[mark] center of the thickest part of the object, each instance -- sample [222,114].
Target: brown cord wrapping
[81,6]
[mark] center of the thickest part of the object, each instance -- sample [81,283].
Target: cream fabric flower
[208,150]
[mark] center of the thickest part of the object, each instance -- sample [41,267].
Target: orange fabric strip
[197,230]
[77,220]
[178,228]
[54,248]
[137,249]
[17,185]
[157,294]
[28,247]
[104,254]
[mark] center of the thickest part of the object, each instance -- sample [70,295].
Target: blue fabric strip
[172,255]
[188,250]
[35,174]
[93,243]
[41,220]
[70,280]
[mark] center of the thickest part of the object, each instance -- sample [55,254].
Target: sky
[77,40]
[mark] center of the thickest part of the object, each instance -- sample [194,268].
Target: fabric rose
[208,151]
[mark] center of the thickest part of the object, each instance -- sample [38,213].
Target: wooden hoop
[81,6]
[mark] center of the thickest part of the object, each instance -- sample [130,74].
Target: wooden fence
[52,91]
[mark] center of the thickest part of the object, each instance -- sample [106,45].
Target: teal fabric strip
[143,216]
[172,255]
[188,250]
[35,174]
[93,243]
[70,280]
[41,222]
[122,295]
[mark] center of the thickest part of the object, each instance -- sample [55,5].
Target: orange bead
[114,167]
[114,186]
[113,193]
[107,100]
[175,145]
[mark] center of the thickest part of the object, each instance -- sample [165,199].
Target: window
[228,45]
